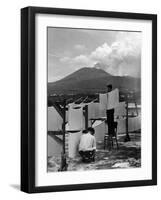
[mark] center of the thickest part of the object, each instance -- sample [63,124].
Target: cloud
[101,52]
[80,47]
[77,62]
[82,60]
[126,45]
[122,57]
[64,59]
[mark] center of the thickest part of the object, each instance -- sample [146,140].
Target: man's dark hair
[109,86]
[91,130]
[84,131]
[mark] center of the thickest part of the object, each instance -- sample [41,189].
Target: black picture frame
[28,98]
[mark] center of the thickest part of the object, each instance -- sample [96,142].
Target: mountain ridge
[91,80]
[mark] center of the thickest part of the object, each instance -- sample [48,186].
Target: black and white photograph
[89,99]
[94,103]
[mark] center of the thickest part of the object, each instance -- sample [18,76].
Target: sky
[118,52]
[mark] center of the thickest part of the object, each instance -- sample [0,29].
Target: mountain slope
[86,73]
[91,80]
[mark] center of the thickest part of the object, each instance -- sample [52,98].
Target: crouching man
[87,146]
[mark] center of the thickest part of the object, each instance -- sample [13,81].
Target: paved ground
[127,156]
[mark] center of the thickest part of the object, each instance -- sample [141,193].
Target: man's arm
[94,143]
[80,144]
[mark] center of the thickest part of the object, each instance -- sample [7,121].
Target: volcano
[92,80]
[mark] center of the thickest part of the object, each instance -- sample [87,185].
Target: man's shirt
[87,142]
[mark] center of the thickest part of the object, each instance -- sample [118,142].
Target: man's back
[87,142]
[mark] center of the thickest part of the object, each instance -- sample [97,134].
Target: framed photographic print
[88,99]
